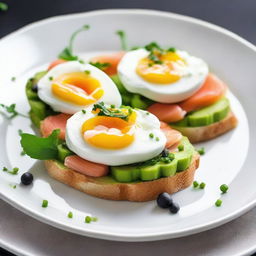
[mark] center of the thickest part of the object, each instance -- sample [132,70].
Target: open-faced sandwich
[104,149]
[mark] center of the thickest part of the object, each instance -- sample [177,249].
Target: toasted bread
[204,133]
[138,191]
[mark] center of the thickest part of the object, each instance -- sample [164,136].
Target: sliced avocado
[63,152]
[132,173]
[205,116]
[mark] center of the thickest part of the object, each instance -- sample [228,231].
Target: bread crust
[204,133]
[138,192]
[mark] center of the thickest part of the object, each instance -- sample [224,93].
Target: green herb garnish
[224,188]
[70,215]
[13,186]
[104,111]
[41,148]
[171,49]
[151,135]
[20,132]
[83,111]
[45,204]
[50,78]
[202,185]
[195,184]
[218,203]
[3,7]
[157,139]
[13,79]
[181,147]
[87,72]
[67,53]
[14,171]
[100,65]
[123,40]
[11,110]
[87,219]
[201,151]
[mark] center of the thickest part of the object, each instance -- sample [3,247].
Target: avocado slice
[205,116]
[38,109]
[135,172]
[63,152]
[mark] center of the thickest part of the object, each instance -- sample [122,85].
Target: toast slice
[108,188]
[204,133]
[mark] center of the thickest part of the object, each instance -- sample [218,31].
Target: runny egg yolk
[77,88]
[166,72]
[109,132]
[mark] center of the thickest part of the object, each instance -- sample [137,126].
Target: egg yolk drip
[109,132]
[168,68]
[77,88]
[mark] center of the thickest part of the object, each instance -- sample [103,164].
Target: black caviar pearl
[174,208]
[27,178]
[34,88]
[164,200]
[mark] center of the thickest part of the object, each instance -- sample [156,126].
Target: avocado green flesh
[63,152]
[131,99]
[205,116]
[131,173]
[38,109]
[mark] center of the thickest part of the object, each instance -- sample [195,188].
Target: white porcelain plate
[229,159]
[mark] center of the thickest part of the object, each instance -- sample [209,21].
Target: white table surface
[26,236]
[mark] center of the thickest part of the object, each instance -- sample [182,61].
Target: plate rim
[108,235]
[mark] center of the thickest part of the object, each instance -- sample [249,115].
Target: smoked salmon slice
[173,137]
[112,59]
[167,112]
[86,167]
[51,123]
[211,91]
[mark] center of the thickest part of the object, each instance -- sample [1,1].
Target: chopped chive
[157,139]
[45,204]
[218,203]
[83,111]
[201,151]
[181,147]
[224,188]
[87,219]
[150,64]
[151,135]
[14,171]
[81,61]
[147,113]
[13,79]
[87,72]
[50,78]
[113,106]
[195,184]
[70,215]
[202,185]
[12,186]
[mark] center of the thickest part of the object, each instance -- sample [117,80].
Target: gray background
[238,16]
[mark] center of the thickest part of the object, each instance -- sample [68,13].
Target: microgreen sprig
[11,110]
[67,53]
[123,40]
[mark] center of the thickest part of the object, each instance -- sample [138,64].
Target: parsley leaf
[41,148]
[123,40]
[3,6]
[67,53]
[11,110]
[100,65]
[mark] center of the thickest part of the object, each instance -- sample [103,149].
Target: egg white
[142,148]
[194,76]
[111,93]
